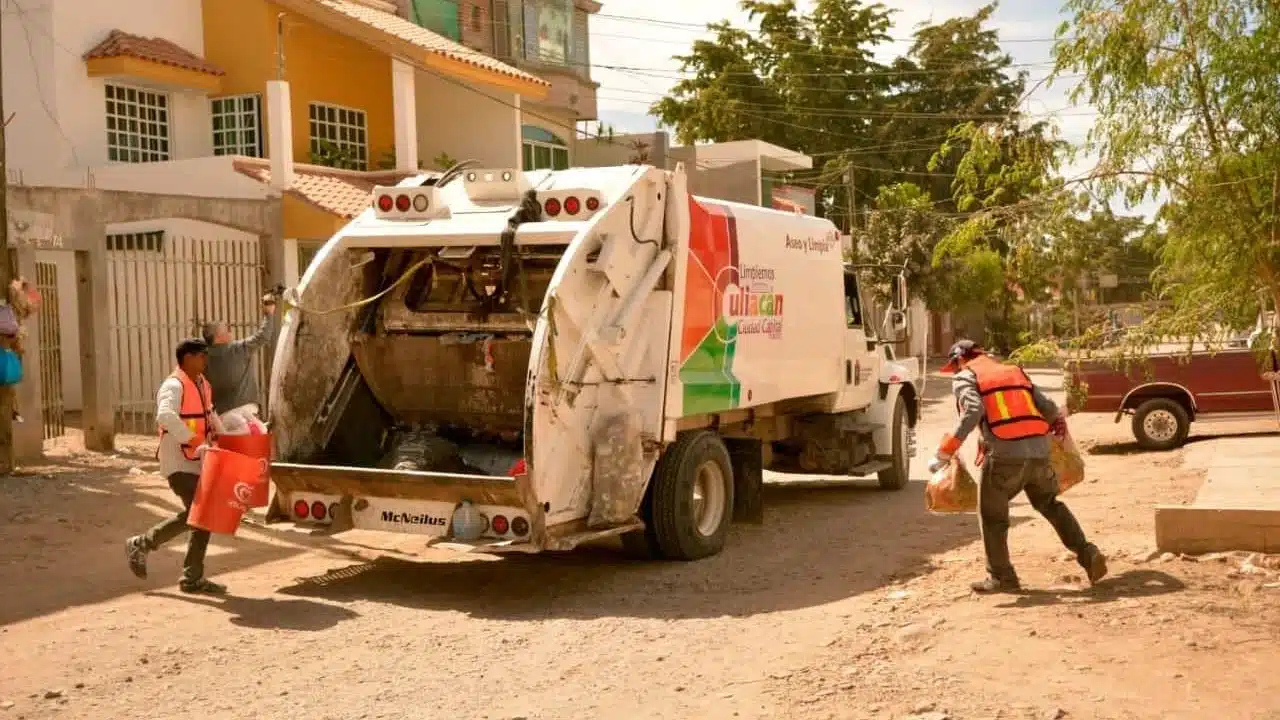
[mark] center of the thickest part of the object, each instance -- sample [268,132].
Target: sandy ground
[847,603]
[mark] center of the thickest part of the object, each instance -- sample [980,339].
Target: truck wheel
[691,503]
[899,474]
[1161,424]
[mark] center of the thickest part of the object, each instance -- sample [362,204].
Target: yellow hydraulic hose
[293,292]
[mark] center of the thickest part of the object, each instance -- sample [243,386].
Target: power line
[676,24]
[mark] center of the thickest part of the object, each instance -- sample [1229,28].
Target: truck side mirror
[900,293]
[898,320]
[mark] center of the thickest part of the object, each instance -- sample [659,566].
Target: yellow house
[372,96]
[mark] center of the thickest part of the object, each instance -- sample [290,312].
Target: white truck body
[648,354]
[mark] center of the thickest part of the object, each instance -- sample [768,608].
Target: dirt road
[847,603]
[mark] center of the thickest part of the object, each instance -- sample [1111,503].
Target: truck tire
[898,475]
[1161,424]
[690,498]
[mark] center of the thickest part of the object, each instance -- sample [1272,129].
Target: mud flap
[747,459]
[617,475]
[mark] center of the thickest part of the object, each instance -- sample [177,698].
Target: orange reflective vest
[197,403]
[1007,401]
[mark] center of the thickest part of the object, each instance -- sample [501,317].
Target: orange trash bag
[952,490]
[1068,463]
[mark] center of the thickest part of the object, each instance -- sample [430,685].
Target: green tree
[955,72]
[1011,201]
[794,83]
[901,232]
[1188,99]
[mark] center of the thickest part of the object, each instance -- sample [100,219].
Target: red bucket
[227,484]
[258,447]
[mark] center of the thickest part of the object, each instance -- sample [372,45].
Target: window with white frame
[237,125]
[543,150]
[339,136]
[137,125]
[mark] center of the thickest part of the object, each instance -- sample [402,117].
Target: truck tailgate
[401,484]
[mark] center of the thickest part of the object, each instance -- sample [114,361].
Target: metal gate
[163,288]
[53,414]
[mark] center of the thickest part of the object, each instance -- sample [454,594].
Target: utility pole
[6,276]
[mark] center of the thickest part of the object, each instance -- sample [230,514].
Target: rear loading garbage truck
[525,361]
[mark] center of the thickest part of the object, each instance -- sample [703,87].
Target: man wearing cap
[1016,419]
[184,412]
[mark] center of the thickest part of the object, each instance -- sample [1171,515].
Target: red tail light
[385,203]
[593,204]
[318,510]
[552,207]
[500,525]
[403,203]
[520,526]
[572,205]
[301,509]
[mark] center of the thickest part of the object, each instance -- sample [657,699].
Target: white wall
[61,31]
[468,124]
[29,83]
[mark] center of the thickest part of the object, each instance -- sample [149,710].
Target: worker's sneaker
[135,549]
[995,585]
[202,587]
[1094,564]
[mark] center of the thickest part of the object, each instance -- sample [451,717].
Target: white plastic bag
[243,421]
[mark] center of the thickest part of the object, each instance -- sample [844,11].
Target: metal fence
[53,413]
[163,288]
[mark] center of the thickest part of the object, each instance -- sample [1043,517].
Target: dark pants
[184,486]
[1002,480]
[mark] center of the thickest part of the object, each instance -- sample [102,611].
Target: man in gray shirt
[231,372]
[1016,419]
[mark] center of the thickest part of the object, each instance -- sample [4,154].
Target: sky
[646,49]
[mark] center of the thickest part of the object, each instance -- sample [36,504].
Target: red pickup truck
[1167,391]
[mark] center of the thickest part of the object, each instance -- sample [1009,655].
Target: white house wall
[61,119]
[29,73]
[468,123]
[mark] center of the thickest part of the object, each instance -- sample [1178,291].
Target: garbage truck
[499,360]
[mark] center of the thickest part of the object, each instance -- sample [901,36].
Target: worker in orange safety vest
[188,424]
[1015,418]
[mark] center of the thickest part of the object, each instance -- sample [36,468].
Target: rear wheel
[898,475]
[690,503]
[1161,424]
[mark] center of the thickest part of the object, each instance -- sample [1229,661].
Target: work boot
[202,587]
[1094,564]
[995,585]
[135,549]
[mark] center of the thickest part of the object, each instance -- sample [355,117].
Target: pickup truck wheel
[1161,424]
[692,498]
[899,474]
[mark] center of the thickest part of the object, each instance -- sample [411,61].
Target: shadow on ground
[817,546]
[63,527]
[270,613]
[1129,585]
[1132,448]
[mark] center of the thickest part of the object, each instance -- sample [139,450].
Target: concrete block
[1196,530]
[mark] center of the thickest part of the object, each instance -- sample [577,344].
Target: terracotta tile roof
[157,50]
[420,37]
[345,193]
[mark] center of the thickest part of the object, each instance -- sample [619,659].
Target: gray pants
[1002,480]
[184,486]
